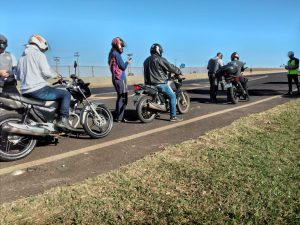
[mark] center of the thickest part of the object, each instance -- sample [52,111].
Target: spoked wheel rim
[183,104]
[146,112]
[13,146]
[99,125]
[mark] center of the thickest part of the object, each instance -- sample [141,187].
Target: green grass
[245,173]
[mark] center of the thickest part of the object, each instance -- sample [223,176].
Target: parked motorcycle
[149,100]
[31,119]
[235,90]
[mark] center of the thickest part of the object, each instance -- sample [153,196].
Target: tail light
[137,87]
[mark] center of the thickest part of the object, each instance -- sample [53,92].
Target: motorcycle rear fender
[87,108]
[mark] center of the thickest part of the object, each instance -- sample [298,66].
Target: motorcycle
[149,100]
[31,119]
[235,90]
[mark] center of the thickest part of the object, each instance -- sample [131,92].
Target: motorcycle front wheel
[98,127]
[183,102]
[14,146]
[145,114]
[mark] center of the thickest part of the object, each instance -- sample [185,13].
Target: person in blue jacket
[117,67]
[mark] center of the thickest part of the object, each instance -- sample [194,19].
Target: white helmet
[39,41]
[290,53]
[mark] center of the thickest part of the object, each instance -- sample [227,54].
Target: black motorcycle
[149,100]
[31,119]
[235,90]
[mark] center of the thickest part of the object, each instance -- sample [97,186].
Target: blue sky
[190,31]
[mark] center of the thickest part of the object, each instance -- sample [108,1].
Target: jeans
[51,94]
[166,89]
[122,96]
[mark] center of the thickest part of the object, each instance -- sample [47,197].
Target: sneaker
[175,119]
[289,93]
[64,124]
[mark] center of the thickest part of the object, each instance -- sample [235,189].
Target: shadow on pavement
[265,92]
[278,82]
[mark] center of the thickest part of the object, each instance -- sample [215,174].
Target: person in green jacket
[292,67]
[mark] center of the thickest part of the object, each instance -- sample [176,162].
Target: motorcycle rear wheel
[145,114]
[232,95]
[14,146]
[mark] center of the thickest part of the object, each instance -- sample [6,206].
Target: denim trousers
[52,94]
[166,89]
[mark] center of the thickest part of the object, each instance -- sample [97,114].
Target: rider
[8,65]
[235,61]
[33,71]
[292,67]
[156,69]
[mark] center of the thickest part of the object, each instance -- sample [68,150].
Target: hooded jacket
[33,70]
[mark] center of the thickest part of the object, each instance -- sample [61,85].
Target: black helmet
[235,55]
[3,42]
[156,49]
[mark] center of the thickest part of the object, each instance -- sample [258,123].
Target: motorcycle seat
[31,101]
[152,87]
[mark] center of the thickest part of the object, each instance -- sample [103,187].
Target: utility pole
[57,61]
[77,55]
[129,57]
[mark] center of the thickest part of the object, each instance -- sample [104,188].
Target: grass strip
[245,173]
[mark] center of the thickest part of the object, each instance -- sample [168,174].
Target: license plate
[228,85]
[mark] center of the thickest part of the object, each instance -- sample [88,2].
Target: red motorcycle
[235,90]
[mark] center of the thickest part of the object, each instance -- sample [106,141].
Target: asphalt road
[75,159]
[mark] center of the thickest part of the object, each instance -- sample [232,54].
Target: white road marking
[69,154]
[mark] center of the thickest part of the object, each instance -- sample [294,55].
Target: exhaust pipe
[24,129]
[157,106]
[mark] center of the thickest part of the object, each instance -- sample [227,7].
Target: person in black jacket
[235,61]
[212,67]
[156,69]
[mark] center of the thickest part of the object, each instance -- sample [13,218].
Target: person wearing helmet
[156,69]
[8,65]
[235,61]
[292,67]
[33,71]
[118,67]
[213,65]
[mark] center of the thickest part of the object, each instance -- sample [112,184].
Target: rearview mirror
[182,65]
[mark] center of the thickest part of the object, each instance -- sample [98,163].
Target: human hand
[4,73]
[129,60]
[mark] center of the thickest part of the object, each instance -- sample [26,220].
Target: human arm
[120,61]
[293,67]
[45,67]
[169,67]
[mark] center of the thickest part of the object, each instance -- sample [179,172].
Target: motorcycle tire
[95,128]
[232,95]
[10,147]
[182,106]
[144,113]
